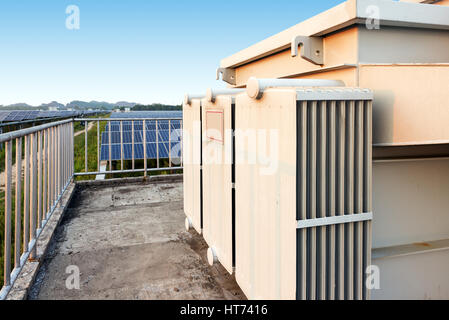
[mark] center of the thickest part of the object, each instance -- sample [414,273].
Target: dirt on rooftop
[129,242]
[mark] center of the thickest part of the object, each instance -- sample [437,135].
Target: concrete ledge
[410,249]
[121,181]
[26,278]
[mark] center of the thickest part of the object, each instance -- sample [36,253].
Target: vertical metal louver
[334,207]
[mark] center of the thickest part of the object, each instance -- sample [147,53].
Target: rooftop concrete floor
[129,242]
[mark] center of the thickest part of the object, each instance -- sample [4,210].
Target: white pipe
[211,94]
[189,97]
[255,87]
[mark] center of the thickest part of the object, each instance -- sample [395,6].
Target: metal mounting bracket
[227,74]
[328,221]
[311,48]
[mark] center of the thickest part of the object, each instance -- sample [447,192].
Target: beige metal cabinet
[192,162]
[218,176]
[303,193]
[400,51]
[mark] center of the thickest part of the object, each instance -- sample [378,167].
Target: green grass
[79,144]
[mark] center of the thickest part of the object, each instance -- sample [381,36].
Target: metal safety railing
[39,165]
[45,155]
[130,139]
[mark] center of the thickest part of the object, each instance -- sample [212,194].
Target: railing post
[98,146]
[72,151]
[110,147]
[132,143]
[60,157]
[58,162]
[62,151]
[62,146]
[53,167]
[86,124]
[169,143]
[26,196]
[67,155]
[144,132]
[121,145]
[7,244]
[157,144]
[18,217]
[48,176]
[33,203]
[63,155]
[39,180]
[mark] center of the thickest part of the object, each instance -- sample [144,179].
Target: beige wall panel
[410,201]
[191,158]
[266,204]
[348,76]
[217,179]
[420,276]
[411,103]
[328,20]
[187,159]
[339,48]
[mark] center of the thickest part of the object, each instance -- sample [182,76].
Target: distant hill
[156,107]
[53,104]
[125,104]
[89,105]
[76,105]
[18,106]
[99,105]
[83,105]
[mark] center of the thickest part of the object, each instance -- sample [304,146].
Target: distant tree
[156,107]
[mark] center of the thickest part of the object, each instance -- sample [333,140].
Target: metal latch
[227,74]
[311,48]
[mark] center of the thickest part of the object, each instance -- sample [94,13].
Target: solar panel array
[147,115]
[157,146]
[17,116]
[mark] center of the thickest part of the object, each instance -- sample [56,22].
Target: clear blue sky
[136,50]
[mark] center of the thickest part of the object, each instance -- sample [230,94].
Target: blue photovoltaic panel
[17,115]
[138,136]
[147,115]
[152,151]
[138,125]
[152,148]
[11,116]
[31,115]
[4,114]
